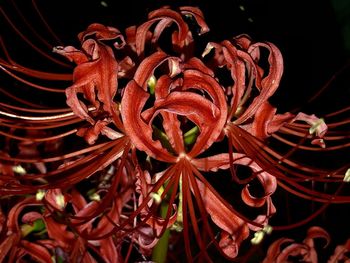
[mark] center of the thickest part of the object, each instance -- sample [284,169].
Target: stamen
[347,176]
[259,235]
[104,4]
[316,126]
[40,195]
[156,197]
[207,49]
[152,84]
[95,197]
[60,201]
[19,169]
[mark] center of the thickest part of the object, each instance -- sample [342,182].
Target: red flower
[177,130]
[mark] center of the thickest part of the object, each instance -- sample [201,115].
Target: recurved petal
[199,110]
[110,252]
[36,251]
[269,84]
[235,230]
[318,126]
[133,102]
[267,122]
[6,245]
[150,64]
[317,232]
[197,64]
[72,54]
[58,232]
[197,14]
[222,161]
[102,32]
[243,41]
[275,249]
[13,216]
[99,75]
[146,239]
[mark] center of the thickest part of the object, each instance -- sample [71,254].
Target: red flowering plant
[137,162]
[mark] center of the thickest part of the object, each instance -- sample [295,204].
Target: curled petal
[98,74]
[150,64]
[228,245]
[30,217]
[218,59]
[100,127]
[263,219]
[339,253]
[146,238]
[12,221]
[130,33]
[318,126]
[36,251]
[164,17]
[8,243]
[313,232]
[243,41]
[305,249]
[235,230]
[268,84]
[197,14]
[197,64]
[275,249]
[316,232]
[198,110]
[109,251]
[72,54]
[101,32]
[126,68]
[295,249]
[222,161]
[266,121]
[59,233]
[241,66]
[133,101]
[171,123]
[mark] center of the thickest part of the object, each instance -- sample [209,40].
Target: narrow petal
[270,83]
[235,229]
[36,251]
[101,32]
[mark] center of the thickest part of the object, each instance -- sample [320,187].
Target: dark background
[313,36]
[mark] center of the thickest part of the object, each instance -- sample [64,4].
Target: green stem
[160,251]
[37,226]
[191,136]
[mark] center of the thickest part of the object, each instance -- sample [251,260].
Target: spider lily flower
[176,101]
[306,250]
[165,136]
[13,246]
[97,70]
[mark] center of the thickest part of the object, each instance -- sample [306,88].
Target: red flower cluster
[163,126]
